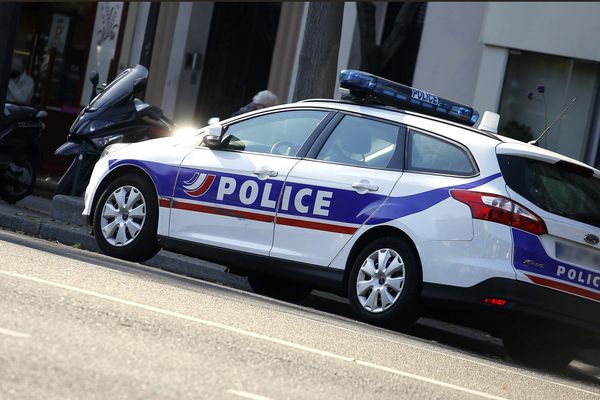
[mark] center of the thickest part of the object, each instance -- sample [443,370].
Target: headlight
[90,126]
[98,124]
[106,140]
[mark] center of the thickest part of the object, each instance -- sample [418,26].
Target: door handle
[364,185]
[265,172]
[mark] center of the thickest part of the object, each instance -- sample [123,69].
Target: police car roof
[402,111]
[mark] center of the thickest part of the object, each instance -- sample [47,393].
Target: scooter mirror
[139,85]
[94,77]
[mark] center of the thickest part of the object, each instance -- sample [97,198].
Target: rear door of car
[347,175]
[566,196]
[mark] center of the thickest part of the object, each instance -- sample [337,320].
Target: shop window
[52,41]
[563,79]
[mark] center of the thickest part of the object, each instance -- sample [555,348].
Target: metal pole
[9,18]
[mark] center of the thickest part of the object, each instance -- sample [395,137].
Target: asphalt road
[76,324]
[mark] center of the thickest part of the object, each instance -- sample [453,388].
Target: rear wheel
[17,181]
[277,288]
[126,219]
[384,284]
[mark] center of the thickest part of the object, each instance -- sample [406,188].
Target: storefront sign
[58,32]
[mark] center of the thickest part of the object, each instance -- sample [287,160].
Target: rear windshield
[563,188]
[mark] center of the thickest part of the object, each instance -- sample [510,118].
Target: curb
[67,208]
[48,228]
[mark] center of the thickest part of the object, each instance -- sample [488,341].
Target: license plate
[577,255]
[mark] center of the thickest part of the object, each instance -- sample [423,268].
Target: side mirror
[94,77]
[212,139]
[139,85]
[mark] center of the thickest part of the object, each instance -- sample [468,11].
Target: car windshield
[563,188]
[120,88]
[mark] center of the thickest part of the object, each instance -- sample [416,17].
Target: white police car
[403,212]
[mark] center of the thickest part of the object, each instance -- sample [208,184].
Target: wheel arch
[119,171]
[373,234]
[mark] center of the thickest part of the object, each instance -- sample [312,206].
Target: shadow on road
[460,338]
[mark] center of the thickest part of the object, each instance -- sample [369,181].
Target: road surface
[76,324]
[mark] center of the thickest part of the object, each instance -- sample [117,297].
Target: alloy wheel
[123,216]
[380,280]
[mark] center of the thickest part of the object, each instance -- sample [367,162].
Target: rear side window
[557,188]
[428,153]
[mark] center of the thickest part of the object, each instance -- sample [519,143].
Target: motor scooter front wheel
[17,180]
[67,185]
[126,219]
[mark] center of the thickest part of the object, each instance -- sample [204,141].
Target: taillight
[500,209]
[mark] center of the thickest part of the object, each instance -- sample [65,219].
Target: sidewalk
[59,220]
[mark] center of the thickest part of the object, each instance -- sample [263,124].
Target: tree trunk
[373,58]
[317,66]
[370,53]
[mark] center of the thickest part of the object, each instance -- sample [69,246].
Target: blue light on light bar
[368,87]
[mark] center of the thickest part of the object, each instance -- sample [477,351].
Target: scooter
[20,156]
[114,115]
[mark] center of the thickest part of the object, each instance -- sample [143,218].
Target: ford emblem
[591,239]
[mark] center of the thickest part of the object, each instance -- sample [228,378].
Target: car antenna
[559,116]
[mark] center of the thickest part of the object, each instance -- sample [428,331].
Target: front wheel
[126,219]
[67,185]
[384,284]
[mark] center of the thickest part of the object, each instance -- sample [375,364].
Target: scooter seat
[16,113]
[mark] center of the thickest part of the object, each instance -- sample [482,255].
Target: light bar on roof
[368,87]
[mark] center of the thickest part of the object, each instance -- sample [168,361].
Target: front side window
[428,153]
[281,133]
[365,142]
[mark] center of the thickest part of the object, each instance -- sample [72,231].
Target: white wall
[450,52]
[567,29]
[195,41]
[141,20]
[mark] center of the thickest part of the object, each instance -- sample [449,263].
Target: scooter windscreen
[119,89]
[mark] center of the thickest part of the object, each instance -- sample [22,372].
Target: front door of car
[227,197]
[333,191]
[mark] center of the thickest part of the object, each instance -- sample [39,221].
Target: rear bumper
[525,302]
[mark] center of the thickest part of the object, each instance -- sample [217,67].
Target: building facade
[205,59]
[526,61]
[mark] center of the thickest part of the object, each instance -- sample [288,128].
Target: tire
[17,185]
[123,229]
[538,349]
[278,288]
[388,297]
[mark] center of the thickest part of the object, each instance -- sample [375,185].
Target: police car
[389,197]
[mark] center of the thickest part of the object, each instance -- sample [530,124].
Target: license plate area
[579,255]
